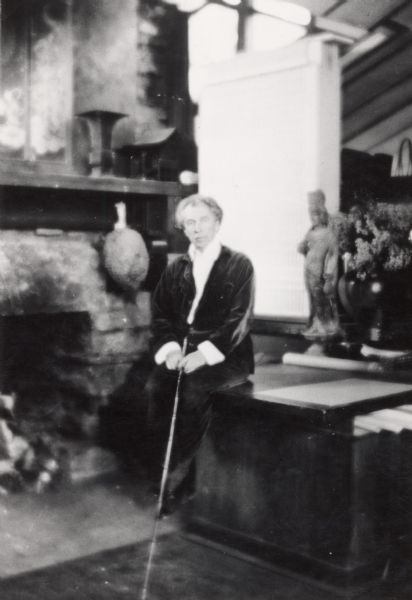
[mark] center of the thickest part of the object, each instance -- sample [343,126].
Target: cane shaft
[165,473]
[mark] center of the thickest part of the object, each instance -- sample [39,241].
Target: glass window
[265,33]
[223,27]
[213,36]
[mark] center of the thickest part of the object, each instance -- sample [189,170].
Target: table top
[322,395]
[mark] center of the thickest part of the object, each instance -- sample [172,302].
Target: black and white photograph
[205,300]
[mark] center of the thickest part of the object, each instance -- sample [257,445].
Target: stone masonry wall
[63,274]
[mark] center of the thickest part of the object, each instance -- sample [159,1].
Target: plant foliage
[375,237]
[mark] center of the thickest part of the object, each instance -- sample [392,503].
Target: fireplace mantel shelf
[107,184]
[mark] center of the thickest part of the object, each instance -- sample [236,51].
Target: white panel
[245,163]
[264,120]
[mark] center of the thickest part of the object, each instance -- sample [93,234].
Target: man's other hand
[173,360]
[193,361]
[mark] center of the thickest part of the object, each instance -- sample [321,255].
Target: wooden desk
[293,482]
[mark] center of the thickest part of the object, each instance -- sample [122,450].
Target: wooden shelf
[119,185]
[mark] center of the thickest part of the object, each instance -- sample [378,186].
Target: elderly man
[205,296]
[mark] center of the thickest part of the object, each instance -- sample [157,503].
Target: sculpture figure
[320,248]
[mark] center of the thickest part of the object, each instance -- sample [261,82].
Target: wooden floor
[183,569]
[91,542]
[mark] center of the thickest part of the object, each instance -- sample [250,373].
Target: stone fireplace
[69,338]
[47,274]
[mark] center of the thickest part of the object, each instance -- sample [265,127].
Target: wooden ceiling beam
[386,129]
[373,80]
[330,11]
[401,14]
[364,13]
[387,51]
[378,109]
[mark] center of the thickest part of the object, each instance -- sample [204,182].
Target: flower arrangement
[375,237]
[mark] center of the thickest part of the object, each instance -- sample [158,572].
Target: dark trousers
[193,416]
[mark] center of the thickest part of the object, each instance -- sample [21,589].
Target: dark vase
[379,308]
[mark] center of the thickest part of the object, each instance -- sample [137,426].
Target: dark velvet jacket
[224,312]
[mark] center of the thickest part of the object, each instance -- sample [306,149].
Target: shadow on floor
[182,570]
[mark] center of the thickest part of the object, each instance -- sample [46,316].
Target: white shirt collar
[210,253]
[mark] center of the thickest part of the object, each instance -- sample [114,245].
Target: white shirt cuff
[164,350]
[211,354]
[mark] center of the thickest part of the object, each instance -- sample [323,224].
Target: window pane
[212,38]
[265,33]
[287,11]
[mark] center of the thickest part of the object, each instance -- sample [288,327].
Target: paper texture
[336,393]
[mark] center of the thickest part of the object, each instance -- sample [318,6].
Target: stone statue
[320,248]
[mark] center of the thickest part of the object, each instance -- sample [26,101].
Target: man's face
[199,225]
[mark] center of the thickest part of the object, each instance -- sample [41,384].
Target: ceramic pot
[356,295]
[376,305]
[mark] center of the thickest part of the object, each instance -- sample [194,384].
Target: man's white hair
[198,200]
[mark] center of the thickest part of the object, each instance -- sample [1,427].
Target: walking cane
[165,474]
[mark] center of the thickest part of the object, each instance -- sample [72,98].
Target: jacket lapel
[187,281]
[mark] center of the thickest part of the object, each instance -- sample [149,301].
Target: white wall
[269,132]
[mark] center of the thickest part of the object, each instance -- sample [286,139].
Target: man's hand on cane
[174,359]
[193,361]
